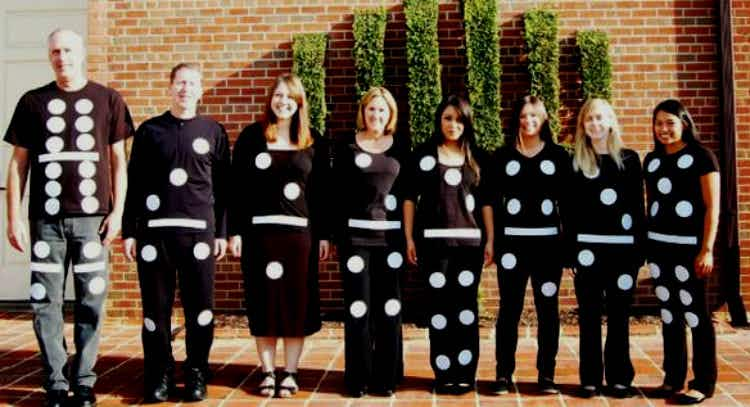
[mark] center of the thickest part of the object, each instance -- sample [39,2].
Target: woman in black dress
[682,184]
[370,245]
[443,186]
[276,220]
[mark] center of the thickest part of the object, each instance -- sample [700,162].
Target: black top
[675,201]
[278,190]
[179,177]
[367,194]
[67,135]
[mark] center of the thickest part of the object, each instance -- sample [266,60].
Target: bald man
[69,135]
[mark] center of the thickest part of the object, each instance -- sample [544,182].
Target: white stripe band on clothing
[280,220]
[676,239]
[549,231]
[46,267]
[615,239]
[466,233]
[374,224]
[89,267]
[69,156]
[177,222]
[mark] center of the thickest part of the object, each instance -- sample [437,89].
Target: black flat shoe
[356,393]
[463,388]
[287,390]
[548,386]
[195,385]
[620,391]
[502,386]
[587,392]
[267,385]
[664,391]
[691,396]
[443,388]
[83,396]
[56,398]
[158,391]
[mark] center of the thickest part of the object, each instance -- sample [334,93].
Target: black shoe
[158,391]
[587,391]
[56,398]
[83,396]
[502,386]
[692,396]
[463,388]
[620,391]
[548,386]
[356,393]
[195,384]
[664,391]
[443,388]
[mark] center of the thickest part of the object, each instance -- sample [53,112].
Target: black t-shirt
[67,135]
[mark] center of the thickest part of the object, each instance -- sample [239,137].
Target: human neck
[600,146]
[529,145]
[71,84]
[183,113]
[674,147]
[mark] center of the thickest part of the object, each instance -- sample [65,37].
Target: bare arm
[411,248]
[710,189]
[489,232]
[118,167]
[18,169]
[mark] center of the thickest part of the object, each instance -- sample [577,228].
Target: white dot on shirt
[685,161]
[681,273]
[684,209]
[664,185]
[149,324]
[178,177]
[625,282]
[508,261]
[53,170]
[654,165]
[512,167]
[654,269]
[662,293]
[84,124]
[464,357]
[92,250]
[586,257]
[470,203]
[358,309]
[466,317]
[87,187]
[292,191]
[592,175]
[363,160]
[201,250]
[205,317]
[513,206]
[54,144]
[390,202]
[148,253]
[55,124]
[53,188]
[153,202]
[608,196]
[691,319]
[84,106]
[438,321]
[442,362]
[549,289]
[547,167]
[452,177]
[626,221]
[86,169]
[685,298]
[392,307]
[85,142]
[38,292]
[201,146]
[56,106]
[97,285]
[395,260]
[666,316]
[437,280]
[355,264]
[547,207]
[274,270]
[263,160]
[41,249]
[654,208]
[90,204]
[52,206]
[466,278]
[427,163]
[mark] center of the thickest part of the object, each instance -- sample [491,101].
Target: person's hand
[129,248]
[235,245]
[411,252]
[17,235]
[220,248]
[110,227]
[704,263]
[324,250]
[570,270]
[489,253]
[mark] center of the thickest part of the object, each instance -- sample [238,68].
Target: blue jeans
[58,245]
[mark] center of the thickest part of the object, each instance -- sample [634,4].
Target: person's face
[66,55]
[530,121]
[597,124]
[186,89]
[377,114]
[667,128]
[282,104]
[451,125]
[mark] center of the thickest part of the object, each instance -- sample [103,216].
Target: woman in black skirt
[370,245]
[277,220]
[443,185]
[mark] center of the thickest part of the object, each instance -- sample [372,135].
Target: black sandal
[266,390]
[283,391]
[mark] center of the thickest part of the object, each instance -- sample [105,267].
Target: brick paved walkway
[321,376]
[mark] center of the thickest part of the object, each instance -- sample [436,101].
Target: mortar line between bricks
[236,356]
[331,362]
[722,358]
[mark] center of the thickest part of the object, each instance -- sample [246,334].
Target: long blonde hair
[585,156]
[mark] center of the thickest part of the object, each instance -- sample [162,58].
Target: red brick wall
[660,49]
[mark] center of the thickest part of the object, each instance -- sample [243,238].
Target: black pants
[683,299]
[605,282]
[191,255]
[452,276]
[372,330]
[517,260]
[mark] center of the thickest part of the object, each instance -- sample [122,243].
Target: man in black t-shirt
[69,135]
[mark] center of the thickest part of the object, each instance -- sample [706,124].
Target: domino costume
[277,209]
[175,208]
[675,233]
[605,224]
[68,137]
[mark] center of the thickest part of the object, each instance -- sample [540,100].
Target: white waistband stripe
[89,267]
[280,220]
[676,239]
[465,233]
[613,239]
[374,224]
[549,231]
[46,267]
[177,222]
[69,156]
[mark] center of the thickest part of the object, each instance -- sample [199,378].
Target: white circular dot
[53,188]
[55,124]
[625,282]
[292,191]
[626,221]
[363,160]
[464,357]
[395,260]
[508,261]
[685,297]
[153,202]
[654,269]
[513,206]
[355,264]
[470,203]
[41,249]
[549,289]
[662,293]
[666,316]
[608,196]
[85,142]
[664,185]
[202,250]
[274,270]
[56,106]
[90,204]
[681,273]
[52,206]
[149,324]
[263,160]
[654,208]
[654,165]
[54,144]
[205,317]
[438,321]
[84,106]
[685,161]
[691,319]
[358,309]
[466,278]
[38,292]
[466,317]
[84,124]
[86,169]
[437,280]
[92,250]
[442,362]
[586,257]
[148,253]
[684,209]
[427,163]
[452,177]
[390,202]
[201,146]
[592,175]
[87,187]
[547,167]
[392,307]
[547,207]
[178,177]
[97,285]
[512,167]
[53,170]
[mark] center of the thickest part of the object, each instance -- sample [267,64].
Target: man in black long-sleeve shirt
[176,211]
